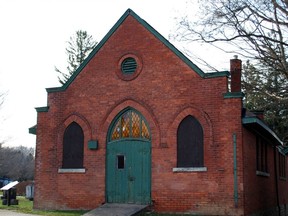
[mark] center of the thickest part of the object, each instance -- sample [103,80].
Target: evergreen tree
[265,91]
[79,47]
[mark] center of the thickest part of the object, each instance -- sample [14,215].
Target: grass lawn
[26,206]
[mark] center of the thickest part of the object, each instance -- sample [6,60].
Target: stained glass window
[116,131]
[125,125]
[130,125]
[145,131]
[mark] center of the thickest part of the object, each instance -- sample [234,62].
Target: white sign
[9,186]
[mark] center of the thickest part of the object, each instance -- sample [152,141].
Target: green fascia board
[255,120]
[42,109]
[233,95]
[33,129]
[150,29]
[285,150]
[217,74]
[168,44]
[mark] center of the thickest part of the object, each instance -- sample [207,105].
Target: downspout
[276,182]
[235,170]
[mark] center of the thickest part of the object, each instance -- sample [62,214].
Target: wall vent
[129,66]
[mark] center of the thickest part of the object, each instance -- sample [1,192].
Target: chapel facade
[139,122]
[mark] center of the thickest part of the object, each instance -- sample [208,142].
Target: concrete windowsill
[190,169]
[260,173]
[63,170]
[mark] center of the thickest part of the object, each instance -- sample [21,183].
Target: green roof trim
[252,121]
[33,130]
[42,109]
[151,30]
[217,74]
[285,150]
[234,95]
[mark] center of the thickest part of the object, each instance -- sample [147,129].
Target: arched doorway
[128,168]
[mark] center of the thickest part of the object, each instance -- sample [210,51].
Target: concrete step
[116,209]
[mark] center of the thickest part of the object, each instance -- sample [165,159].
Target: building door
[128,167]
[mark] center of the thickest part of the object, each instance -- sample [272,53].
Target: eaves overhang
[42,109]
[258,126]
[33,129]
[285,150]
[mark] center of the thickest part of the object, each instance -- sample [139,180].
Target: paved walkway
[12,213]
[113,209]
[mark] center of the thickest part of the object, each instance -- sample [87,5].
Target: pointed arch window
[130,124]
[190,150]
[73,146]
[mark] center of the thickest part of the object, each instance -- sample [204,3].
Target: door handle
[131,178]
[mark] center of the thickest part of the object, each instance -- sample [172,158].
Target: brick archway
[143,109]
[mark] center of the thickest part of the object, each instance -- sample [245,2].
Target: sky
[33,38]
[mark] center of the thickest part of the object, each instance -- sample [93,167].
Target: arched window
[190,151]
[130,124]
[73,144]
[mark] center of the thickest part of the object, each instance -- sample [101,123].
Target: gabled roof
[129,12]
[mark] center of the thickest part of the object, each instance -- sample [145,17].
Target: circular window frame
[131,76]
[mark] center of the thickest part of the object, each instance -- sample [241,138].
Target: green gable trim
[57,89]
[217,74]
[33,130]
[168,44]
[254,121]
[285,150]
[42,109]
[234,95]
[151,30]
[91,55]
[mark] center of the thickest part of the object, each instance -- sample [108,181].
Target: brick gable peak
[122,19]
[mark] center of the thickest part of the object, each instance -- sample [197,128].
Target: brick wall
[260,190]
[164,91]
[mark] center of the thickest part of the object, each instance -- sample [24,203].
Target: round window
[129,65]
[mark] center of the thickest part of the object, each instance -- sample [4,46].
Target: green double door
[128,167]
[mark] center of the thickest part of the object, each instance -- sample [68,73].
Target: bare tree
[255,29]
[17,163]
[258,31]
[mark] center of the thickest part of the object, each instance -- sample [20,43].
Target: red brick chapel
[139,122]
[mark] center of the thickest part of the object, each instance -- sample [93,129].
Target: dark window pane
[120,161]
[73,146]
[261,154]
[190,143]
